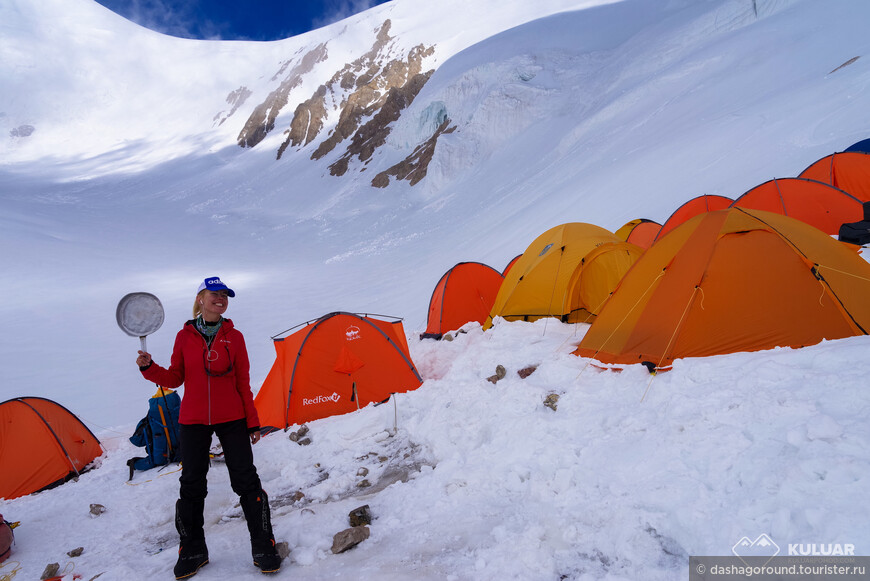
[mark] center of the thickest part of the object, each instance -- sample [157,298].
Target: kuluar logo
[763,546]
[352,333]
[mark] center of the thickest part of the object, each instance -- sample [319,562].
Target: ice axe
[139,315]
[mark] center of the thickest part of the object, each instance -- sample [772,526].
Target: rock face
[368,94]
[377,85]
[262,120]
[235,99]
[414,167]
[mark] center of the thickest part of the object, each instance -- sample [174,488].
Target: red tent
[695,206]
[848,171]
[809,201]
[640,232]
[335,365]
[465,293]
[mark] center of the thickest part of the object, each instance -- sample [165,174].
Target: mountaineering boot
[192,552]
[256,509]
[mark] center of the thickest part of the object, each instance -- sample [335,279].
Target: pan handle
[143,344]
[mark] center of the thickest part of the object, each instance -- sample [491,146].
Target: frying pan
[139,315]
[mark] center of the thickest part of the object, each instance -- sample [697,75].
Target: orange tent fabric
[848,171]
[695,206]
[815,203]
[42,445]
[465,293]
[335,365]
[640,232]
[732,280]
[594,279]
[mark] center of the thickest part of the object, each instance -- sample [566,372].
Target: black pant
[239,457]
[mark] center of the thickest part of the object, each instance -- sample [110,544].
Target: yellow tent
[542,282]
[595,278]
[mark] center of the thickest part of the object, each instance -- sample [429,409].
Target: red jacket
[222,394]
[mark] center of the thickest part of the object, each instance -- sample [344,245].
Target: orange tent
[42,445]
[695,206]
[640,232]
[848,171]
[732,280]
[815,203]
[465,293]
[335,365]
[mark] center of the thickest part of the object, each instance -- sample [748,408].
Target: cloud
[178,18]
[341,9]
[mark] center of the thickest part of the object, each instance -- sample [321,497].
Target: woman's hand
[255,437]
[144,359]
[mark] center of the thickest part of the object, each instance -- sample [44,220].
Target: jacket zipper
[207,376]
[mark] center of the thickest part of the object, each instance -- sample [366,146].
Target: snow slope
[566,111]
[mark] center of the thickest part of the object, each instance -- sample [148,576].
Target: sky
[234,20]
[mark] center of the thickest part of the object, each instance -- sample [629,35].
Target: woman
[211,360]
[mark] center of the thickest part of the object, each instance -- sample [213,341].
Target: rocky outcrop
[235,100]
[262,120]
[414,167]
[374,133]
[378,84]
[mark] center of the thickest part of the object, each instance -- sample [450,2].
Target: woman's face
[214,304]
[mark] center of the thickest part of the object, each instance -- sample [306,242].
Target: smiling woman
[211,360]
[261,20]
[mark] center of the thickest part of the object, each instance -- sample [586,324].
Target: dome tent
[334,365]
[641,232]
[690,209]
[732,280]
[464,293]
[537,285]
[42,445]
[848,171]
[809,201]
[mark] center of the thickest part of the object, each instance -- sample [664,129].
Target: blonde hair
[197,305]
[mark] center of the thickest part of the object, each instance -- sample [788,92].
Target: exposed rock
[236,99]
[551,401]
[349,538]
[77,552]
[262,120]
[283,549]
[360,516]
[414,167]
[500,373]
[97,509]
[307,121]
[374,133]
[50,571]
[362,471]
[526,371]
[298,436]
[845,64]
[365,87]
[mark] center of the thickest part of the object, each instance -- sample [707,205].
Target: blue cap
[213,283]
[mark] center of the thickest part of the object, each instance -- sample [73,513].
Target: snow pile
[468,479]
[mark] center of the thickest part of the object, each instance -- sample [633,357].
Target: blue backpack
[157,432]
